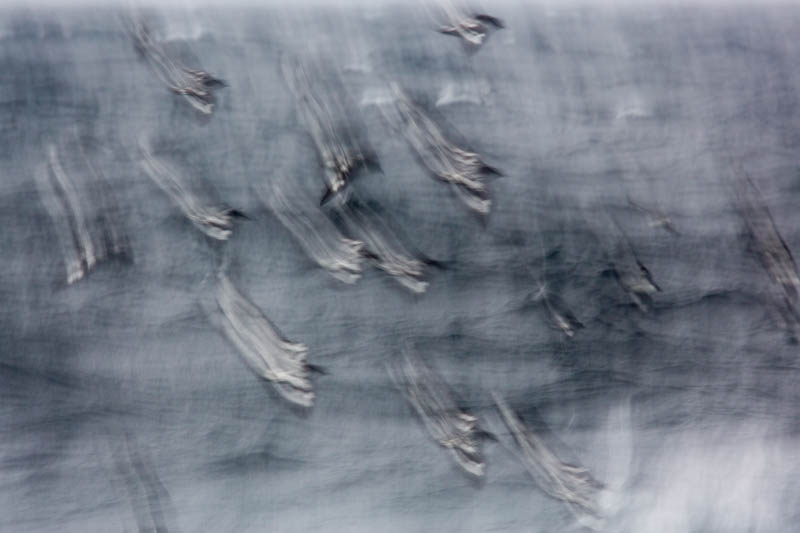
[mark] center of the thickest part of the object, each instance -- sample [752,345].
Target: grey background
[689,411]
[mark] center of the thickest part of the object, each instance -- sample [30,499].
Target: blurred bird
[472,28]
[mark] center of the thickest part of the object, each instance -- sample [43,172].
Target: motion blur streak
[324,243]
[446,161]
[572,484]
[87,233]
[383,246]
[385,266]
[216,223]
[195,85]
[271,357]
[447,424]
[328,122]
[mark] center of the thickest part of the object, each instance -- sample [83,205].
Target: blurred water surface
[124,406]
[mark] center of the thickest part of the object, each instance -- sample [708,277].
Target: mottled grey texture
[123,406]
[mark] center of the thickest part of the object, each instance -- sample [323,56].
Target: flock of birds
[343,156]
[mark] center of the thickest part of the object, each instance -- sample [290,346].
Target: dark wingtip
[441,265]
[373,165]
[553,253]
[369,254]
[658,289]
[492,170]
[237,214]
[326,197]
[491,20]
[487,435]
[318,369]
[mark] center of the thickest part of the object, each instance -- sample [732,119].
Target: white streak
[217,223]
[325,118]
[463,92]
[317,235]
[446,423]
[80,244]
[573,485]
[390,256]
[61,222]
[446,161]
[269,355]
[172,73]
[73,205]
